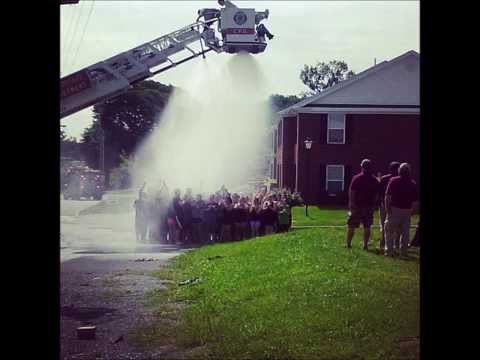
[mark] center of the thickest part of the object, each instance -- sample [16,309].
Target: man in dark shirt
[381,209]
[400,197]
[363,195]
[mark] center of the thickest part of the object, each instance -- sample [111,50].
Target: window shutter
[349,129]
[323,129]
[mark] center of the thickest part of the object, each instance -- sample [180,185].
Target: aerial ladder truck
[237,30]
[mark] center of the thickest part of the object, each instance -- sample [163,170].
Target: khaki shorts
[359,216]
[383,216]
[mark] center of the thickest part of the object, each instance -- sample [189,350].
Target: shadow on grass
[414,257]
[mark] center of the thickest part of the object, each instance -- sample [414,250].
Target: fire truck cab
[84,183]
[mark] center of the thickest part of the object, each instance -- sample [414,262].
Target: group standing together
[396,195]
[221,217]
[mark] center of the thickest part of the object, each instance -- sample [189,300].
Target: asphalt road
[105,275]
[101,234]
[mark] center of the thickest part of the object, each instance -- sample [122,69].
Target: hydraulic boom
[113,76]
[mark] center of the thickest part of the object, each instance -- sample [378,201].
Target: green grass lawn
[327,216]
[300,295]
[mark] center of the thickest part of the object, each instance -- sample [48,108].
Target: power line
[70,43]
[83,34]
[75,37]
[68,29]
[70,35]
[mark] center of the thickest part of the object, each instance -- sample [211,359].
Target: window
[336,128]
[335,179]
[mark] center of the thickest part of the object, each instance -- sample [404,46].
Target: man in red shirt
[384,180]
[400,197]
[363,196]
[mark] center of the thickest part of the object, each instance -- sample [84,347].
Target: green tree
[69,147]
[324,75]
[90,144]
[125,120]
[280,102]
[120,176]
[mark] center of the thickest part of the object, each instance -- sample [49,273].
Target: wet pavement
[105,275]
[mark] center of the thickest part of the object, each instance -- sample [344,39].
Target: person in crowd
[219,218]
[363,195]
[153,216]
[235,217]
[210,219]
[227,221]
[393,168]
[187,224]
[223,218]
[178,213]
[154,227]
[245,225]
[268,217]
[198,225]
[240,220]
[163,223]
[283,216]
[223,192]
[141,213]
[173,229]
[401,197]
[254,217]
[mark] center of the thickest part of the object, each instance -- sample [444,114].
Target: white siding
[395,84]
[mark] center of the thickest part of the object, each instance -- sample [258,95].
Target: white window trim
[326,176]
[336,128]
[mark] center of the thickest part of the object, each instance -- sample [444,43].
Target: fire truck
[83,183]
[237,30]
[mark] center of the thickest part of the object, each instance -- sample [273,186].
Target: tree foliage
[125,120]
[280,102]
[69,147]
[324,75]
[120,177]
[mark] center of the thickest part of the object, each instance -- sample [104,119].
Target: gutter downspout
[296,153]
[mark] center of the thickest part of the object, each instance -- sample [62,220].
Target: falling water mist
[211,134]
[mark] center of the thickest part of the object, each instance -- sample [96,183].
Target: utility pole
[102,149]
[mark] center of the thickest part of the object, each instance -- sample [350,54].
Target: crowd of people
[219,217]
[224,216]
[396,196]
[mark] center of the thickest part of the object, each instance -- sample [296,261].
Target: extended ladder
[111,77]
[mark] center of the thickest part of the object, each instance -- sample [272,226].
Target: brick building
[375,114]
